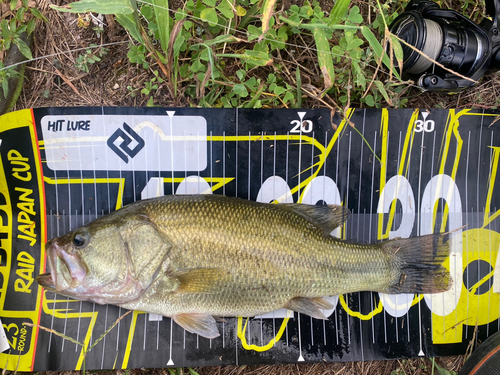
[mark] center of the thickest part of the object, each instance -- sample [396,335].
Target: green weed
[440,370]
[90,57]
[216,54]
[16,29]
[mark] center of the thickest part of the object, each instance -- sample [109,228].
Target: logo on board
[123,150]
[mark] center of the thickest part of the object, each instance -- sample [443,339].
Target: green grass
[217,54]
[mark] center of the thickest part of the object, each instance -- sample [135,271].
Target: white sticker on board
[155,317]
[496,277]
[126,143]
[4,343]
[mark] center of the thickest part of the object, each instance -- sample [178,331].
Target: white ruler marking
[466,220]
[170,361]
[371,217]
[104,338]
[301,358]
[347,205]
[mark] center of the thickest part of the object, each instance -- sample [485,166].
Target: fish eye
[81,239]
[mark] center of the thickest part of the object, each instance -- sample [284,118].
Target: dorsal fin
[327,217]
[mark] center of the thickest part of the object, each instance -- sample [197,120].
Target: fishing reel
[452,40]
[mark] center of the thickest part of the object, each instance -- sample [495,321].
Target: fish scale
[195,257]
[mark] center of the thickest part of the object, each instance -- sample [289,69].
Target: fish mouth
[65,269]
[46,280]
[49,280]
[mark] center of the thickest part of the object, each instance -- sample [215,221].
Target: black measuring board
[401,172]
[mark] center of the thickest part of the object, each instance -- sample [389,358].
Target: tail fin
[419,261]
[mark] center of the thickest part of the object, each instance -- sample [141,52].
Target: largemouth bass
[193,258]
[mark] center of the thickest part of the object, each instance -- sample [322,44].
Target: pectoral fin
[201,280]
[327,217]
[309,306]
[201,324]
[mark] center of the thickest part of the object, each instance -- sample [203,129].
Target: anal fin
[201,324]
[309,306]
[322,303]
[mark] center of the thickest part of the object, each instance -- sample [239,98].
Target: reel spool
[485,360]
[450,39]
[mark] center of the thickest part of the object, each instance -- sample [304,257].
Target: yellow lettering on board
[21,173]
[25,257]
[28,230]
[22,286]
[15,156]
[26,177]
[26,207]
[26,274]
[25,194]
[31,240]
[25,270]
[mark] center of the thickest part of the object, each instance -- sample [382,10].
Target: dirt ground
[399,367]
[53,81]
